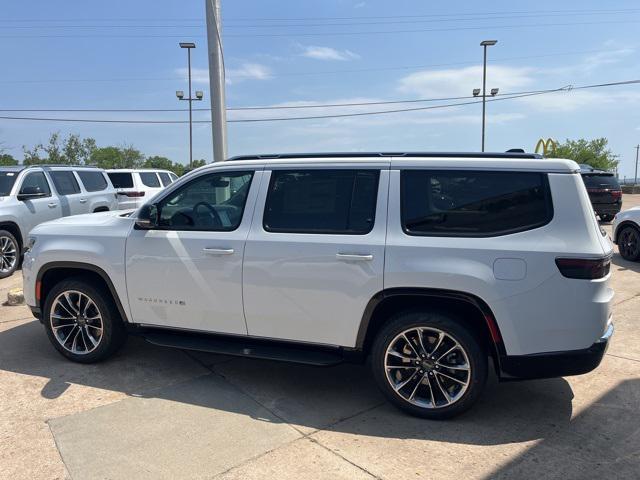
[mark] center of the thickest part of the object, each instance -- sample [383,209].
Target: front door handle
[218,251]
[52,205]
[351,257]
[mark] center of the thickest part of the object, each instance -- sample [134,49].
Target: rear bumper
[607,208]
[555,364]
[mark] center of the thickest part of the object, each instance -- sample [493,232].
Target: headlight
[31,241]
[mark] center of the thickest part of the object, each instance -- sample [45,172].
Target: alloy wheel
[76,322]
[8,254]
[629,243]
[427,367]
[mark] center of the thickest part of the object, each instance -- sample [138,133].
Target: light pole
[190,99]
[635,178]
[494,91]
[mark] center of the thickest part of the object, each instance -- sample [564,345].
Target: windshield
[7,179]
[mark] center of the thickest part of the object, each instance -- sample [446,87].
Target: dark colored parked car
[604,192]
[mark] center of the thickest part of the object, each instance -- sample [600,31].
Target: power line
[243,19]
[333,34]
[289,25]
[314,117]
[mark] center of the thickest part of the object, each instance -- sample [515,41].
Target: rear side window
[322,201]
[150,179]
[164,178]
[92,181]
[601,181]
[65,182]
[121,179]
[473,204]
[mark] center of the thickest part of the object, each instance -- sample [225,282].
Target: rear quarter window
[472,203]
[150,179]
[121,179]
[92,181]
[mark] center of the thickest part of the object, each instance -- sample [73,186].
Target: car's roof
[134,170]
[516,161]
[12,168]
[19,168]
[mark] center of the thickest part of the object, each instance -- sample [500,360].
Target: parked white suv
[430,264]
[32,195]
[626,233]
[136,187]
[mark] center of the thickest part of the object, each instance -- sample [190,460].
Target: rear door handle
[83,200]
[218,251]
[52,205]
[351,257]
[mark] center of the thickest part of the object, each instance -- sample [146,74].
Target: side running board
[241,347]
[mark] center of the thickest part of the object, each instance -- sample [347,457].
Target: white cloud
[247,71]
[462,81]
[328,53]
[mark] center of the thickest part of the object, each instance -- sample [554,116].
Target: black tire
[8,243]
[442,322]
[113,333]
[628,240]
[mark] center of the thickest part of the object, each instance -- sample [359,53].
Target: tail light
[616,193]
[132,194]
[584,268]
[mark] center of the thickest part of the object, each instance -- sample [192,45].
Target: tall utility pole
[635,177]
[216,81]
[485,44]
[190,99]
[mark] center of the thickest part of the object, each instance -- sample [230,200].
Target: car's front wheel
[9,254]
[629,243]
[82,321]
[428,364]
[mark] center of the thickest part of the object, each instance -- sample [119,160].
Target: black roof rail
[284,156]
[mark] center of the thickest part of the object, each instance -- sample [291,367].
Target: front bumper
[555,364]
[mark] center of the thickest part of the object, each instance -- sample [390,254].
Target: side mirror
[31,192]
[147,217]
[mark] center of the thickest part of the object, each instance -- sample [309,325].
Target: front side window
[213,202]
[473,204]
[150,179]
[65,182]
[35,182]
[322,201]
[165,178]
[92,181]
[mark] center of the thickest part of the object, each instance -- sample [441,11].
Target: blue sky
[117,54]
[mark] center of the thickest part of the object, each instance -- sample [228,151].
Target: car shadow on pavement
[341,398]
[625,264]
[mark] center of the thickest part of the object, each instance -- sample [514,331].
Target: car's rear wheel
[9,254]
[429,365]
[629,243]
[82,321]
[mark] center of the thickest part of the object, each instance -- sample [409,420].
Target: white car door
[39,204]
[315,253]
[187,272]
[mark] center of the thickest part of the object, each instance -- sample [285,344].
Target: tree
[116,157]
[7,160]
[591,152]
[159,162]
[71,151]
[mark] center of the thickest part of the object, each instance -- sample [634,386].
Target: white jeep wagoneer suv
[436,267]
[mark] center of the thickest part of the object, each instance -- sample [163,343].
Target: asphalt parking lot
[160,413]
